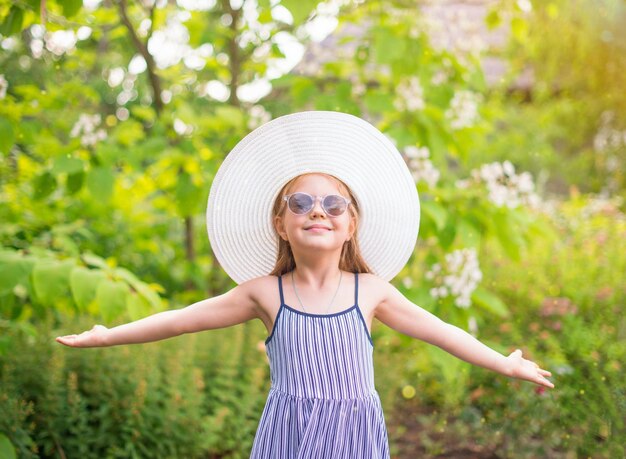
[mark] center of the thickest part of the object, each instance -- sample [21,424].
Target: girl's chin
[318,242]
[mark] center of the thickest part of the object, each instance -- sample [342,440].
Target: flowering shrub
[422,169]
[87,127]
[410,95]
[463,111]
[504,186]
[458,277]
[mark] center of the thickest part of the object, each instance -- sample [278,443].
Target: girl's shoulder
[263,290]
[374,290]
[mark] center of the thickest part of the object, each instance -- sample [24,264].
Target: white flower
[439,78]
[504,186]
[462,183]
[472,325]
[608,137]
[463,111]
[410,95]
[422,169]
[358,89]
[87,126]
[61,41]
[415,152]
[458,278]
[182,128]
[4,85]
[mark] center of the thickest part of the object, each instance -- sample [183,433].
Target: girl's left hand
[527,369]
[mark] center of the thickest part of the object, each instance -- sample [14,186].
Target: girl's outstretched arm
[402,315]
[233,307]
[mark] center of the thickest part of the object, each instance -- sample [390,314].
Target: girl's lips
[317,229]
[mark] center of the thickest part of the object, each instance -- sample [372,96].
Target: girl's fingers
[65,338]
[68,340]
[541,380]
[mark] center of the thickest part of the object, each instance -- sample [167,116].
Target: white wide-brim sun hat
[239,211]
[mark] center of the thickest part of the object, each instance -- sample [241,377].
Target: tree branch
[234,52]
[155,82]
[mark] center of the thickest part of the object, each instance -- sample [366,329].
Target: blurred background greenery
[116,114]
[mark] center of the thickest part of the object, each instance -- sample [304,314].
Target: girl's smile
[318,228]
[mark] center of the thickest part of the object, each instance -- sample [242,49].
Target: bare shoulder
[373,291]
[261,287]
[263,291]
[375,285]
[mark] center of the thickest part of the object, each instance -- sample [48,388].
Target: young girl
[312,214]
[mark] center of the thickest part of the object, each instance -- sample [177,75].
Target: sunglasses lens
[334,205]
[300,203]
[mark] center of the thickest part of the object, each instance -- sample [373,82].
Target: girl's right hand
[91,338]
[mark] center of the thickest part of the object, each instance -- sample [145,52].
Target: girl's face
[296,229]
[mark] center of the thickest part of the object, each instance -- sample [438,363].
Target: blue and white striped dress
[322,402]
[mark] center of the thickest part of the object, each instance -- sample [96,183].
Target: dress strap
[280,289]
[356,288]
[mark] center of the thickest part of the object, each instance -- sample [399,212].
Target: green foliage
[39,285]
[6,448]
[191,397]
[573,328]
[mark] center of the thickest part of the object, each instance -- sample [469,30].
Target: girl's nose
[317,208]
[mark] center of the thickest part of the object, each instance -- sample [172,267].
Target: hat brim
[239,220]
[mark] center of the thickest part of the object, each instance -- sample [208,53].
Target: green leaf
[493,19]
[7,135]
[129,132]
[28,131]
[137,306]
[145,113]
[231,115]
[111,297]
[84,284]
[70,7]
[447,235]
[303,90]
[454,371]
[12,24]
[469,235]
[69,165]
[7,451]
[519,27]
[74,182]
[15,269]
[188,196]
[94,260]
[141,287]
[299,9]
[490,302]
[507,235]
[43,185]
[378,101]
[435,212]
[388,47]
[51,280]
[100,183]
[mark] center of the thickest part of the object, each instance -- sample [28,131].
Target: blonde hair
[351,259]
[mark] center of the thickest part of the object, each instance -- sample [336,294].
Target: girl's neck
[317,278]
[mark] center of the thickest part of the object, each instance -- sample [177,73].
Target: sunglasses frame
[317,199]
